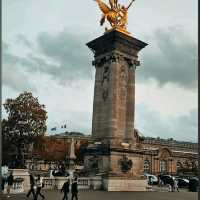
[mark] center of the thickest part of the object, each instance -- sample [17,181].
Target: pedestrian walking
[169,188]
[176,186]
[161,183]
[10,182]
[3,183]
[171,183]
[32,184]
[150,180]
[39,183]
[65,190]
[74,189]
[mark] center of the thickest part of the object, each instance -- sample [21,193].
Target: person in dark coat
[65,190]
[10,182]
[32,184]
[75,189]
[150,180]
[3,183]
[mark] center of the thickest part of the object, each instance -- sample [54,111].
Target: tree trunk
[20,160]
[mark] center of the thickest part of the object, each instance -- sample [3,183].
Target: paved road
[102,195]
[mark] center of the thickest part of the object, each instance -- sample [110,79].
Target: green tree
[25,122]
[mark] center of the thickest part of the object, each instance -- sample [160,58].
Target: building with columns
[169,156]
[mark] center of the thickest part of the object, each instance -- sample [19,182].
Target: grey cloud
[9,58]
[175,60]
[17,80]
[187,124]
[24,41]
[151,123]
[69,52]
[62,56]
[13,75]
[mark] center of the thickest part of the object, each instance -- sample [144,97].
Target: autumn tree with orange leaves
[54,149]
[51,149]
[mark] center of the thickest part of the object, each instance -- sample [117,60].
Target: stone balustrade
[84,183]
[17,187]
[49,183]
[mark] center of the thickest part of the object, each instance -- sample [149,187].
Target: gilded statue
[116,14]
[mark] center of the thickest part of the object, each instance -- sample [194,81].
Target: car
[152,178]
[166,179]
[193,184]
[182,182]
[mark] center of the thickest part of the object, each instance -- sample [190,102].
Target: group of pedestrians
[35,187]
[173,185]
[74,189]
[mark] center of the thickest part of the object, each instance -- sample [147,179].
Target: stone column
[115,60]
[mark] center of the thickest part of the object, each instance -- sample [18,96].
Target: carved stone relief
[105,82]
[125,164]
[123,81]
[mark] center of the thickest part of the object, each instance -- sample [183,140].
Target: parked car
[166,179]
[152,179]
[193,184]
[182,182]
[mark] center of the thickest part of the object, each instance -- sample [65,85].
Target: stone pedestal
[121,169]
[22,173]
[115,156]
[121,184]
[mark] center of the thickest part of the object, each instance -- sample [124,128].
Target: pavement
[103,195]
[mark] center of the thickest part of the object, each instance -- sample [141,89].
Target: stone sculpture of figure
[72,155]
[123,13]
[116,14]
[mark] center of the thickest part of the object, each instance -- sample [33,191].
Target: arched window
[146,166]
[163,166]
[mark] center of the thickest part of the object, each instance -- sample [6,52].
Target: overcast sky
[44,52]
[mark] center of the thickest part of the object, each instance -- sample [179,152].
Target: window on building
[185,164]
[163,166]
[146,166]
[178,166]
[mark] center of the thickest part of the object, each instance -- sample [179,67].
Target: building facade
[160,156]
[168,156]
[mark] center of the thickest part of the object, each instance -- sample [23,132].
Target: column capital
[116,40]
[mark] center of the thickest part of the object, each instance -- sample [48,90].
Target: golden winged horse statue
[116,14]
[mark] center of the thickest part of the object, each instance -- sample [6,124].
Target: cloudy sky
[44,52]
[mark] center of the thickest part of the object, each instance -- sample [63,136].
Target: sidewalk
[99,195]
